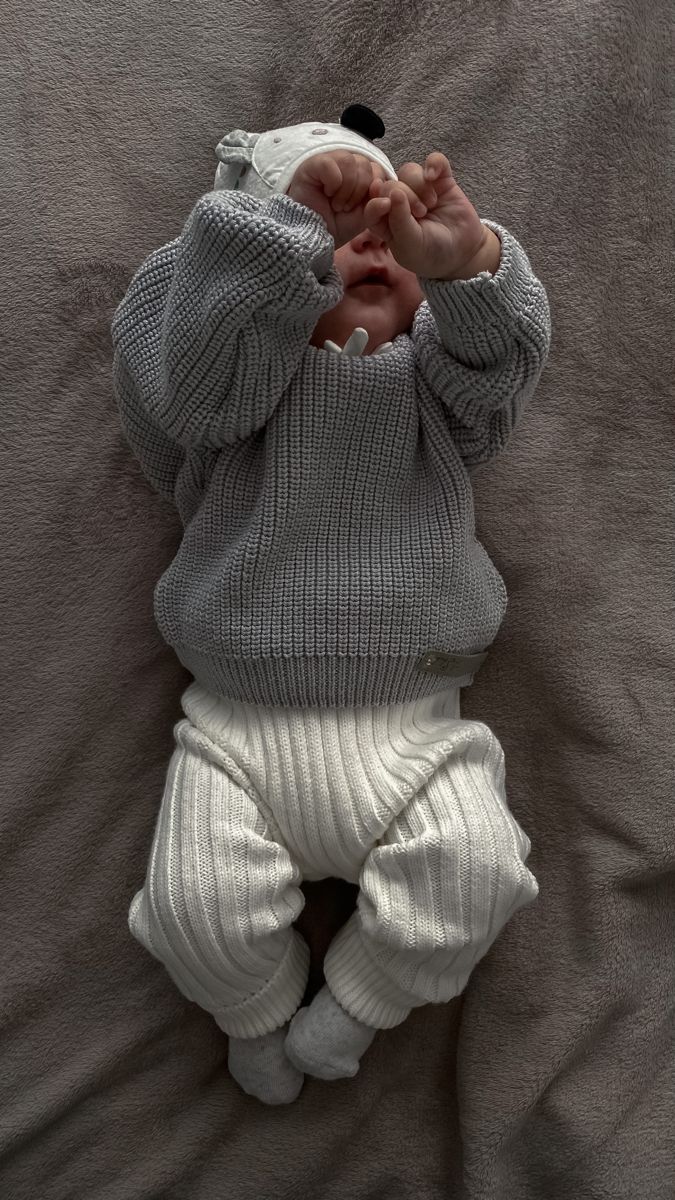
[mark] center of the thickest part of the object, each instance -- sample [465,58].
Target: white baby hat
[262,164]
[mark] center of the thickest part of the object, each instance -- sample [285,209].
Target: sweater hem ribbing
[343,681]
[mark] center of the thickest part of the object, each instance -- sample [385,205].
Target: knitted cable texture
[329,540]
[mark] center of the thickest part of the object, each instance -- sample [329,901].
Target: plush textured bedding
[552,1077]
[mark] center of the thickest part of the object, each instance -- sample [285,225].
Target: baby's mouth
[377,276]
[370,283]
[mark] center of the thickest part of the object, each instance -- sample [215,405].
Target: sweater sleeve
[160,459]
[214,325]
[481,345]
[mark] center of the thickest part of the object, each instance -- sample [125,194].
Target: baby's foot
[325,1041]
[261,1068]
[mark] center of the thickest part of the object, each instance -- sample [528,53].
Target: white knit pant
[407,801]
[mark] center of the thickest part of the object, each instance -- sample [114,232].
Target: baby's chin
[381,318]
[373,313]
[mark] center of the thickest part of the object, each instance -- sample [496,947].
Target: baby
[309,372]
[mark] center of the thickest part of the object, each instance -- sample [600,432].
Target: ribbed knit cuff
[359,985]
[474,305]
[272,1007]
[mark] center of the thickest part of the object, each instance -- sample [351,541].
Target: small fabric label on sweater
[438,662]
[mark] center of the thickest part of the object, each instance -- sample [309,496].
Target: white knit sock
[325,1041]
[262,1069]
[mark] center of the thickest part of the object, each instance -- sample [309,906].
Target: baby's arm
[482,339]
[481,345]
[214,325]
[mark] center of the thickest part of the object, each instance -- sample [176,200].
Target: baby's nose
[367,236]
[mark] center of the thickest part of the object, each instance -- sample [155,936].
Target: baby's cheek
[411,296]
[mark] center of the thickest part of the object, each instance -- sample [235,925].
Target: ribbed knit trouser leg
[220,895]
[436,891]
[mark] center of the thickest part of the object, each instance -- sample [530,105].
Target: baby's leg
[217,909]
[435,893]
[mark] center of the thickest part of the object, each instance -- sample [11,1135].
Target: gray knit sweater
[329,554]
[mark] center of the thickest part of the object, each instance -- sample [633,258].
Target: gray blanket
[553,1077]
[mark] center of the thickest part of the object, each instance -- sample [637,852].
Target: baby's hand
[439,243]
[337,186]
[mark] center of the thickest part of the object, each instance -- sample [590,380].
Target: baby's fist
[337,185]
[448,237]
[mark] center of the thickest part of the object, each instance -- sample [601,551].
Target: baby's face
[385,309]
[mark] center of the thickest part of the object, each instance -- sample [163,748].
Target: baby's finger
[389,186]
[413,176]
[322,169]
[375,214]
[401,210]
[360,184]
[436,165]
[406,233]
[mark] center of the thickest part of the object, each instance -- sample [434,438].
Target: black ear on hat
[363,120]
